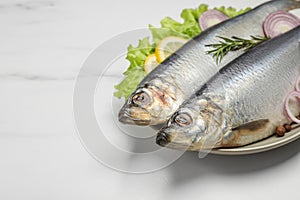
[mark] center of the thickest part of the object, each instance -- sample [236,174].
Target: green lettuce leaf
[189,28]
[137,55]
[232,12]
[135,72]
[128,85]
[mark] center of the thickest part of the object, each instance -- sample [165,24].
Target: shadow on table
[190,167]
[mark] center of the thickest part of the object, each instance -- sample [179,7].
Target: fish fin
[247,133]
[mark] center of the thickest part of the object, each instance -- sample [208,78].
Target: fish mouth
[162,139]
[166,140]
[134,116]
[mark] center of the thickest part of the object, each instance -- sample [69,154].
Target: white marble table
[43,44]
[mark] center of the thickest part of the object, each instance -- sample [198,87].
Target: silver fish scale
[255,84]
[190,67]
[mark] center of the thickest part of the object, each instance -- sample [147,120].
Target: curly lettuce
[135,72]
[170,27]
[232,12]
[188,29]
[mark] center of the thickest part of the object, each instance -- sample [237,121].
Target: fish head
[194,126]
[149,105]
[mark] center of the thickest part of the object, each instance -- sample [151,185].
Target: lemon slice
[167,46]
[150,63]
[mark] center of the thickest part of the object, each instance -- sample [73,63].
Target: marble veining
[43,44]
[33,5]
[26,5]
[33,77]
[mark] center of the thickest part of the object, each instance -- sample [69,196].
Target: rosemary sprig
[233,44]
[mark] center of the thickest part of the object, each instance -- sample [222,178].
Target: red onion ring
[286,106]
[279,22]
[210,18]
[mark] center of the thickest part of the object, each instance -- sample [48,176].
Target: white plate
[261,146]
[107,106]
[257,147]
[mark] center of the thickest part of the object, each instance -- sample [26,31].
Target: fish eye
[141,99]
[183,119]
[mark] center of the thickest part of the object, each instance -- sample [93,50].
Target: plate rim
[248,149]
